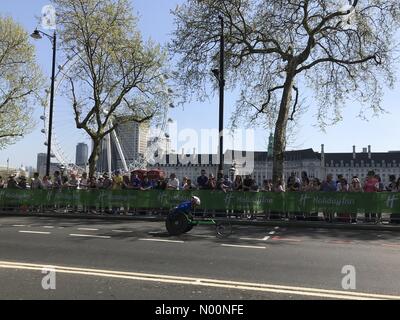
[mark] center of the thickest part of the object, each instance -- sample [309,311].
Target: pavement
[113,259]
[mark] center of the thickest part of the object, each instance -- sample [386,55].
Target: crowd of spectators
[117,181]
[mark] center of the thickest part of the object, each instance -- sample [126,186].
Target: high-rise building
[82,151]
[41,163]
[132,137]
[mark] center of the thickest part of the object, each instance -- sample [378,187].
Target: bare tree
[117,78]
[338,49]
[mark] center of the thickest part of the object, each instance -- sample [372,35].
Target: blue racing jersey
[184,207]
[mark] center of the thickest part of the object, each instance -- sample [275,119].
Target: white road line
[271,233]
[162,240]
[88,229]
[19,225]
[239,246]
[34,232]
[255,239]
[202,236]
[205,282]
[48,227]
[276,228]
[122,231]
[89,236]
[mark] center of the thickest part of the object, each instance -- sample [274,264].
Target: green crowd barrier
[210,200]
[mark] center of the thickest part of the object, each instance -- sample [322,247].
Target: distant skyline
[156,22]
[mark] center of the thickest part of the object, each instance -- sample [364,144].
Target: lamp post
[219,75]
[37,34]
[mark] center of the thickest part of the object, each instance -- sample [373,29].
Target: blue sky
[156,22]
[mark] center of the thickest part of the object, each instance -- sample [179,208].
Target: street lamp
[219,75]
[37,35]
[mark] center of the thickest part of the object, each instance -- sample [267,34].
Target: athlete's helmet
[196,200]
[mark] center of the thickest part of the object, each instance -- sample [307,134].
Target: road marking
[271,233]
[88,229]
[48,227]
[391,245]
[206,282]
[255,239]
[285,239]
[276,228]
[19,225]
[122,231]
[34,232]
[89,236]
[202,236]
[161,240]
[340,241]
[240,246]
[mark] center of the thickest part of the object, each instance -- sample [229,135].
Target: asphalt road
[99,259]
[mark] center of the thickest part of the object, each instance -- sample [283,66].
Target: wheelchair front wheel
[223,229]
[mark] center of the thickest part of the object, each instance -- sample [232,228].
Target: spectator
[57,182]
[254,187]
[188,186]
[64,182]
[305,181]
[93,184]
[293,183]
[398,185]
[202,181]
[126,182]
[279,186]
[212,183]
[173,182]
[339,178]
[12,183]
[392,186]
[355,185]
[267,186]
[135,181]
[381,186]
[2,183]
[99,182]
[22,184]
[146,184]
[117,181]
[84,182]
[343,185]
[36,183]
[73,183]
[247,183]
[161,184]
[46,182]
[238,184]
[371,183]
[184,181]
[107,182]
[329,185]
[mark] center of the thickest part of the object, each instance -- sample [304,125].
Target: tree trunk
[94,156]
[280,130]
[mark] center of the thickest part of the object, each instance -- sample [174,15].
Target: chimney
[354,152]
[323,155]
[369,152]
[364,150]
